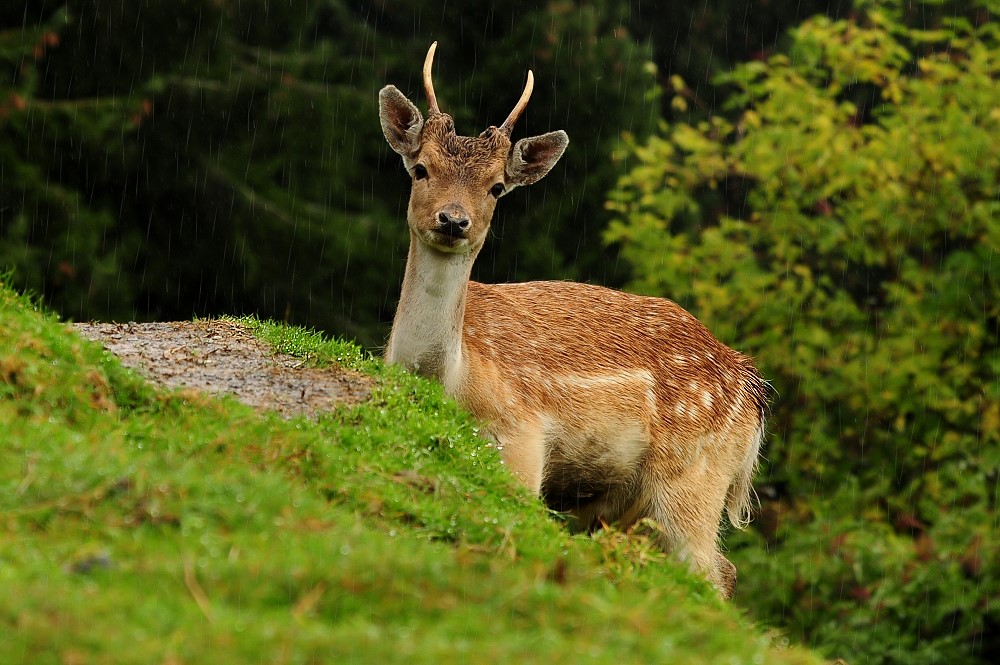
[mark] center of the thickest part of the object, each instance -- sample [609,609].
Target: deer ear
[401,121]
[533,157]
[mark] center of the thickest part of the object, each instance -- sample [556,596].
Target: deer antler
[428,83]
[508,124]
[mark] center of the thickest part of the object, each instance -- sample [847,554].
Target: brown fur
[613,407]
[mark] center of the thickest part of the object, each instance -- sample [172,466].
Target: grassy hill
[140,526]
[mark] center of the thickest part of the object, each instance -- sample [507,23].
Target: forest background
[817,181]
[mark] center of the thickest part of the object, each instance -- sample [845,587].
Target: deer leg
[522,448]
[725,572]
[688,507]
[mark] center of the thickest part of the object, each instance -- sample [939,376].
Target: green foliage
[841,224]
[698,40]
[142,526]
[50,227]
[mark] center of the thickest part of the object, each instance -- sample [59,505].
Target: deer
[614,408]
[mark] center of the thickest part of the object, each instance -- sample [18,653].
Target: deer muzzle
[453,221]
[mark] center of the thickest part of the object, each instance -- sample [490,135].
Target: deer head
[458,179]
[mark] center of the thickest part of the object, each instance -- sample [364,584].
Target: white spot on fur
[687,409]
[706,399]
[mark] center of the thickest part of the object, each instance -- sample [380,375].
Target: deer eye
[419,172]
[497,190]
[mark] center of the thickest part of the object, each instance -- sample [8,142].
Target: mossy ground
[142,526]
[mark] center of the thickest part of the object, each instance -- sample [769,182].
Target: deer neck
[427,330]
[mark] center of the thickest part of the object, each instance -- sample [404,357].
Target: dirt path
[223,357]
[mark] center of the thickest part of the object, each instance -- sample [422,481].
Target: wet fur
[613,407]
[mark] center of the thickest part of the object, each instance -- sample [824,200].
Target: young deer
[613,407]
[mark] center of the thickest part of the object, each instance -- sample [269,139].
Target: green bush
[841,223]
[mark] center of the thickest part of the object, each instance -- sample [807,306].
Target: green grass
[143,526]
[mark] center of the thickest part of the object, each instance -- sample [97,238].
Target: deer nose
[453,222]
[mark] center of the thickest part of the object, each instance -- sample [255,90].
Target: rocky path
[224,357]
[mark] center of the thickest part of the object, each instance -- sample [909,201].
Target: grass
[142,526]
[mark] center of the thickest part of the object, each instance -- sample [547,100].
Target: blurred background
[817,181]
[199,157]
